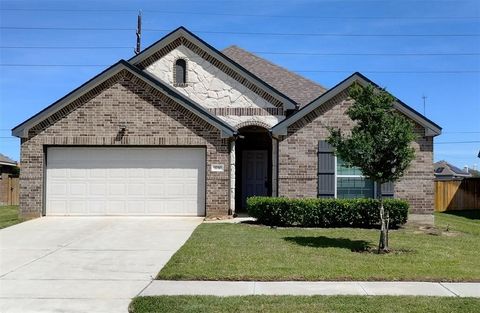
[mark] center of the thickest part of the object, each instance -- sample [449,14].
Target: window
[351,183]
[336,180]
[180,73]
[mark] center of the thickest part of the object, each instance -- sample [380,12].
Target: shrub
[312,212]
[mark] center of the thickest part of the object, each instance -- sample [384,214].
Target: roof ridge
[247,74]
[274,64]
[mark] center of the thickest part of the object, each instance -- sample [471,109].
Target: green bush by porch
[315,212]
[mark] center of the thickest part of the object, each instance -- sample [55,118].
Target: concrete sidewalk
[246,288]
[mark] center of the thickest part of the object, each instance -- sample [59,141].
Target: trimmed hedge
[313,212]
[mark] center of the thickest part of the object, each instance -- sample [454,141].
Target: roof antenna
[424,104]
[139,32]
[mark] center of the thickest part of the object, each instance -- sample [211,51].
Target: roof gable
[183,36]
[431,129]
[299,88]
[22,129]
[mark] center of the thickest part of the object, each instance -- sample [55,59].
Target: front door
[254,174]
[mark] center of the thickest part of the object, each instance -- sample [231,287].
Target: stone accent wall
[206,84]
[298,157]
[151,119]
[241,121]
[206,56]
[218,92]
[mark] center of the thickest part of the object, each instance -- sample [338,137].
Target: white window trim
[351,176]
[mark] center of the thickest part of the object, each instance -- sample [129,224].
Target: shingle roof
[6,160]
[296,87]
[443,168]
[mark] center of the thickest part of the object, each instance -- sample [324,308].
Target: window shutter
[326,170]
[387,190]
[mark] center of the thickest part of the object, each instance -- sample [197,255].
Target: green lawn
[315,304]
[9,215]
[253,252]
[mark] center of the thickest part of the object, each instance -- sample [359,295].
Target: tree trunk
[383,242]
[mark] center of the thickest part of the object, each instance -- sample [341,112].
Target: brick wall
[151,119]
[298,157]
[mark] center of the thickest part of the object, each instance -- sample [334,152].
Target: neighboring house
[474,172]
[446,171]
[185,129]
[7,165]
[8,168]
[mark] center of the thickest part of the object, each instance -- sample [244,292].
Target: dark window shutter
[180,71]
[326,170]
[387,190]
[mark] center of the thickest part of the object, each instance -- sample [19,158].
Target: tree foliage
[380,142]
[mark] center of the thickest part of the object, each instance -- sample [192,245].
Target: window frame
[175,83]
[349,176]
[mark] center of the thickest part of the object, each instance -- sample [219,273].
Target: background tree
[379,143]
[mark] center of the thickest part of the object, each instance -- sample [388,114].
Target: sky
[413,48]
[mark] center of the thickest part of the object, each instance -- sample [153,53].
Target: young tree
[379,143]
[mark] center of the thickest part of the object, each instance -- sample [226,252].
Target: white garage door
[125,181]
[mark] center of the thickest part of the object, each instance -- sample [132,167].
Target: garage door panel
[58,172]
[96,206]
[56,206]
[155,173]
[155,207]
[136,173]
[58,189]
[125,181]
[136,207]
[97,189]
[77,206]
[136,189]
[77,173]
[170,204]
[116,207]
[155,189]
[117,189]
[116,173]
[78,189]
[98,173]
[191,189]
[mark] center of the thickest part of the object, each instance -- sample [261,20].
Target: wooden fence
[453,195]
[10,189]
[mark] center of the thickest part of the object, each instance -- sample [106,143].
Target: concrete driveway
[84,264]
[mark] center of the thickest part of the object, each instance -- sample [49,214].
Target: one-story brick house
[185,129]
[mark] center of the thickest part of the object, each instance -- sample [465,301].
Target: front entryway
[253,175]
